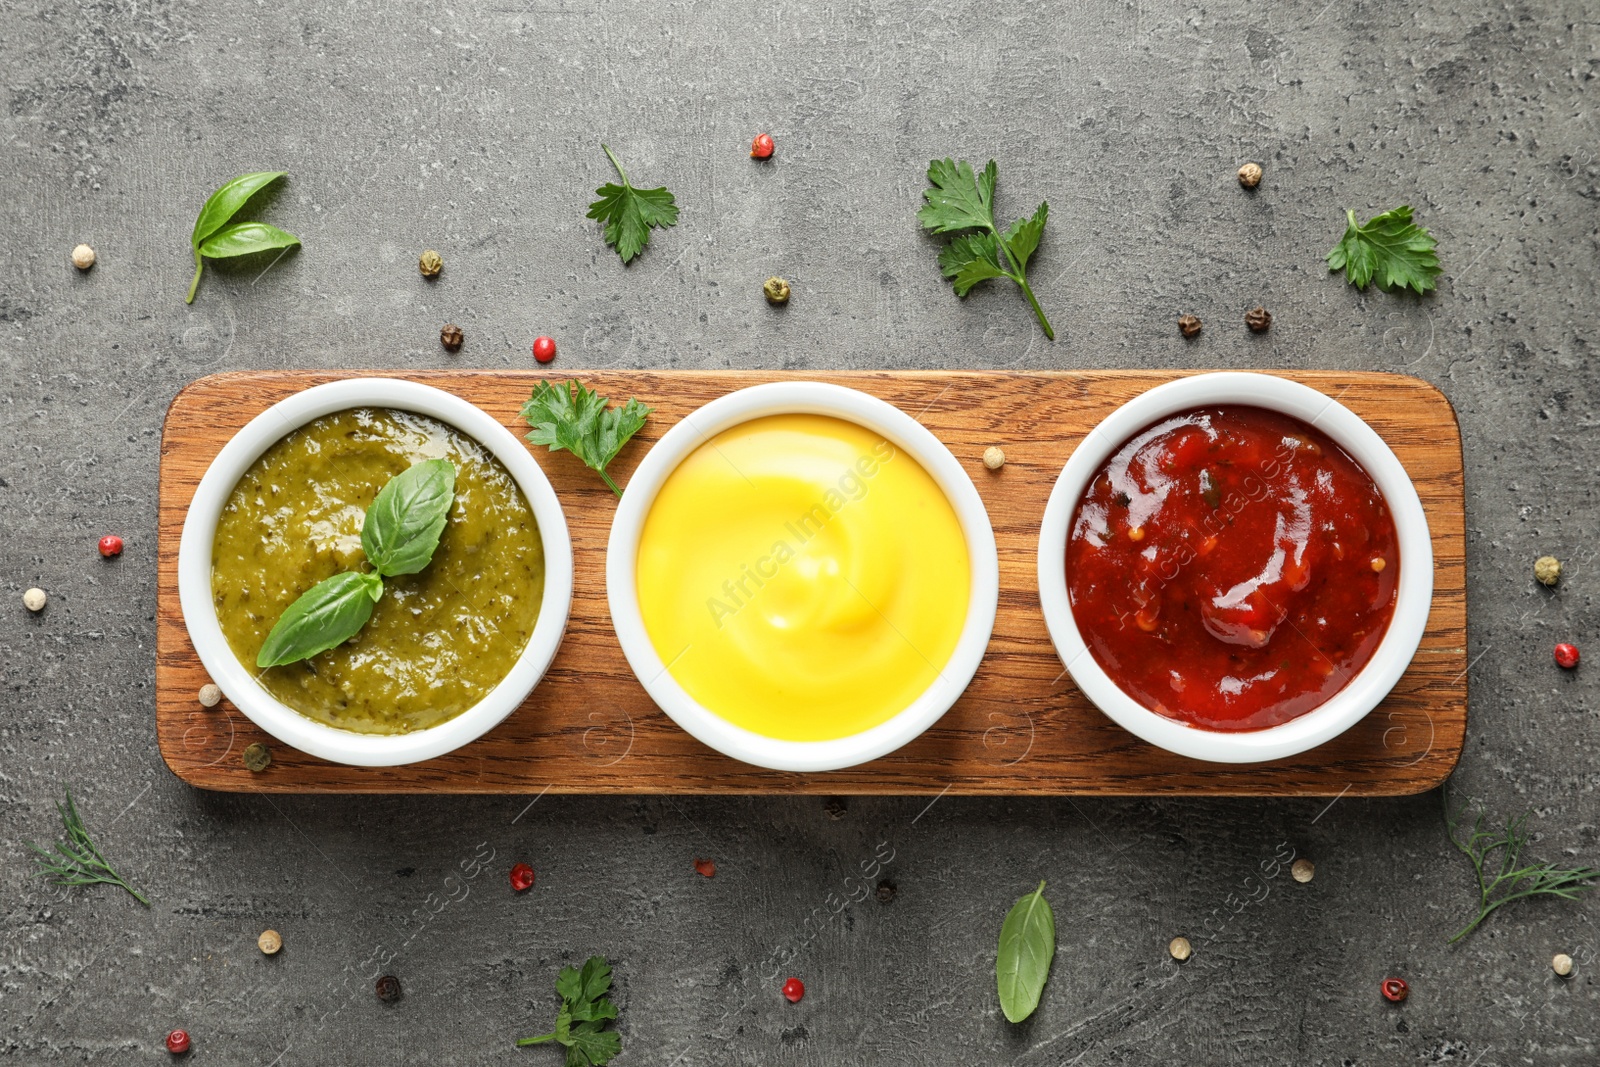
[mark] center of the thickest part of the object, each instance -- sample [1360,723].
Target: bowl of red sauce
[1235,567]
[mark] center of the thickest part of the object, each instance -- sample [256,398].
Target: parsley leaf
[569,985]
[970,259]
[1390,248]
[573,417]
[591,1045]
[584,1011]
[963,200]
[629,213]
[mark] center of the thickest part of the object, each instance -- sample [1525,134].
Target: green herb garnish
[213,238]
[1027,947]
[77,860]
[961,200]
[585,1009]
[574,417]
[399,536]
[1500,880]
[1388,247]
[323,617]
[629,213]
[403,525]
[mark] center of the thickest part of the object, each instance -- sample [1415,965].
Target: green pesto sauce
[439,640]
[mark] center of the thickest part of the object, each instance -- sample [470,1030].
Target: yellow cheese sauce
[803,578]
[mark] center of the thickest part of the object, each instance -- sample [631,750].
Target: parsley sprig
[963,201]
[1389,248]
[77,860]
[1495,856]
[629,213]
[585,1010]
[574,417]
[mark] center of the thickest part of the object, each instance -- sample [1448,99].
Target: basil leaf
[243,238]
[403,525]
[225,203]
[210,239]
[1027,946]
[326,615]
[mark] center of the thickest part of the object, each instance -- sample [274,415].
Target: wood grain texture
[1022,727]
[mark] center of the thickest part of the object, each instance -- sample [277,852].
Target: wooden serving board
[1022,727]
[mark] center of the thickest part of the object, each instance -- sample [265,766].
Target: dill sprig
[1500,880]
[77,861]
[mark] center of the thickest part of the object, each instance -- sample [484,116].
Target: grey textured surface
[474,130]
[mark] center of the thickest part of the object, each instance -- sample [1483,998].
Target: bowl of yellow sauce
[802,576]
[449,650]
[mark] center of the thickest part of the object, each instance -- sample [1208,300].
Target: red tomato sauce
[1232,568]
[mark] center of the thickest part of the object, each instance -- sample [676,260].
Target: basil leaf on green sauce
[1027,947]
[325,616]
[404,523]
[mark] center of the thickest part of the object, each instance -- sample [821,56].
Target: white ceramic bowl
[239,681]
[1414,594]
[815,398]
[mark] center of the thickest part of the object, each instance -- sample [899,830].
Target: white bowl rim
[1414,592]
[903,431]
[238,682]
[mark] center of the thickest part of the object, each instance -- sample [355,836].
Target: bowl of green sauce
[450,648]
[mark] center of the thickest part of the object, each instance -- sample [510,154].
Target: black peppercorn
[1188,325]
[388,989]
[451,337]
[836,807]
[886,891]
[1258,319]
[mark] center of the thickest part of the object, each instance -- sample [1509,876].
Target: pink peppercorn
[521,877]
[178,1042]
[1567,655]
[110,545]
[793,990]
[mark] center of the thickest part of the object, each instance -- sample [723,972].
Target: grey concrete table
[475,130]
